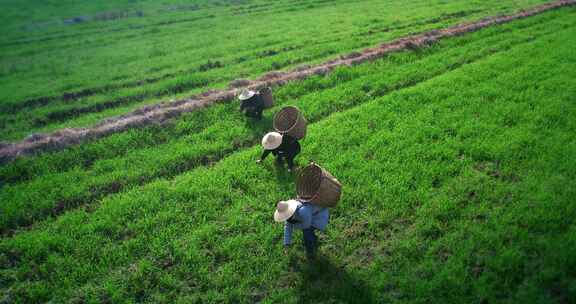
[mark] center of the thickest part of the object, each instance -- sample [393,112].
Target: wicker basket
[290,121]
[267,99]
[318,186]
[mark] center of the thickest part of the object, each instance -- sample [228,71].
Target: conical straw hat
[285,209]
[272,140]
[246,94]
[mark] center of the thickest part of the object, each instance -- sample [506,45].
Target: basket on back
[290,121]
[318,186]
[267,99]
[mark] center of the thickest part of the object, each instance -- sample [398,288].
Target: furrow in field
[113,177]
[26,122]
[171,51]
[26,168]
[256,54]
[211,229]
[161,113]
[69,112]
[178,34]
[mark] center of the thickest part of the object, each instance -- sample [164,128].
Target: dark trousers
[310,240]
[254,112]
[289,159]
[288,155]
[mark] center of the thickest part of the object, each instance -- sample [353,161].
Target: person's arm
[288,229]
[265,154]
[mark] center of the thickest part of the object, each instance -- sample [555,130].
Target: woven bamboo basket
[290,121]
[267,99]
[318,186]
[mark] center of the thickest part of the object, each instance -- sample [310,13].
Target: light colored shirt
[307,215]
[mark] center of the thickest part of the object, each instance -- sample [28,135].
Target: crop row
[145,90]
[162,112]
[214,35]
[51,184]
[87,95]
[161,15]
[454,191]
[36,119]
[123,172]
[256,52]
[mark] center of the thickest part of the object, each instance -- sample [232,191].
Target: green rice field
[457,159]
[73,63]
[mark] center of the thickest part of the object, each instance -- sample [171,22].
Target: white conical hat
[285,209]
[272,140]
[246,94]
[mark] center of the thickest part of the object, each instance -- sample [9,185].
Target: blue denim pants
[310,240]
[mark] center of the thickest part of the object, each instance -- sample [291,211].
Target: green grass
[41,187]
[125,63]
[457,161]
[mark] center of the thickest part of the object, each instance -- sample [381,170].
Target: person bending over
[281,146]
[251,104]
[299,214]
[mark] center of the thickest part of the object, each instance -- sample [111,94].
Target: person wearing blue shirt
[299,214]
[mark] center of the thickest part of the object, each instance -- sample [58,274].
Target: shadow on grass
[325,282]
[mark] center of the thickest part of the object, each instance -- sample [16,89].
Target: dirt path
[161,112]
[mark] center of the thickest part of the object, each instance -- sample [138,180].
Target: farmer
[281,146]
[251,104]
[302,215]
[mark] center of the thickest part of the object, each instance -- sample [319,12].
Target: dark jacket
[253,106]
[289,148]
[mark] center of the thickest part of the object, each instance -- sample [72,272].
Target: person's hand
[259,161]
